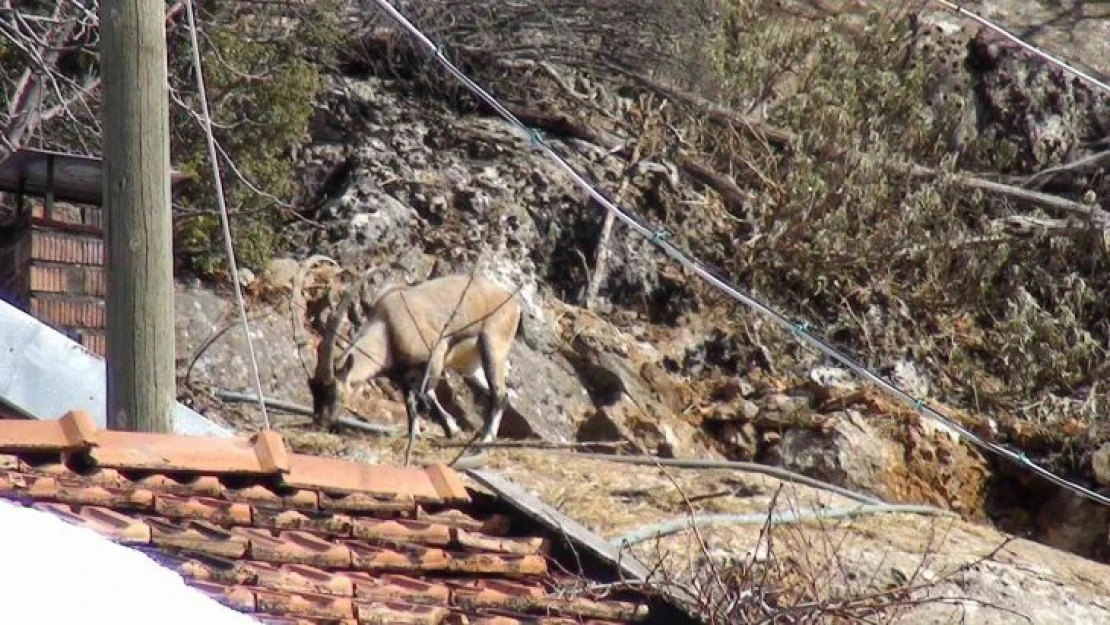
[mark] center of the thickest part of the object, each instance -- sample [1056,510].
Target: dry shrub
[888,266]
[808,573]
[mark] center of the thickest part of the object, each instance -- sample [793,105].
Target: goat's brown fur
[460,322]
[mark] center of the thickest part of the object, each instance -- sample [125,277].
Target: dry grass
[894,568]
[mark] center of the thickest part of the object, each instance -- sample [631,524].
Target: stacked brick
[53,268]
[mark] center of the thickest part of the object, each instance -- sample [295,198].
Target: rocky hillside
[926,196]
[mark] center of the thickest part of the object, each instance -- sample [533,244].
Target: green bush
[261,78]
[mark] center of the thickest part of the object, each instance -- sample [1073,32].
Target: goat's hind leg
[433,372]
[494,359]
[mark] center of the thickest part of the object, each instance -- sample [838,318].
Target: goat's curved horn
[325,363]
[297,306]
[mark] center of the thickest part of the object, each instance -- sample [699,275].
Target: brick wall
[55,271]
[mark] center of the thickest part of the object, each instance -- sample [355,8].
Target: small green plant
[262,78]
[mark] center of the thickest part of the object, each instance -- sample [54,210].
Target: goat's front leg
[414,422]
[450,425]
[433,373]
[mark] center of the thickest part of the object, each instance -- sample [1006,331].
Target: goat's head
[328,385]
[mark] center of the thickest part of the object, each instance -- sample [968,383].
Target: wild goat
[464,323]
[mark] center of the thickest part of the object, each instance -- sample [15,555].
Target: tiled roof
[292,538]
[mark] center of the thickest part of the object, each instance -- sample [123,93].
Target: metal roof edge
[45,374]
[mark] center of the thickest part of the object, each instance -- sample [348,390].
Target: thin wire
[789,517]
[659,239]
[1030,47]
[224,221]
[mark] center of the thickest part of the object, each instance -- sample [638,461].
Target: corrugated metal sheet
[44,375]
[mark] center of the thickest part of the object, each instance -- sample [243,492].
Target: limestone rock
[852,453]
[1100,465]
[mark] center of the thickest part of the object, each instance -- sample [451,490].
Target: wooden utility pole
[138,226]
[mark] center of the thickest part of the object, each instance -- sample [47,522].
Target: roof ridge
[75,436]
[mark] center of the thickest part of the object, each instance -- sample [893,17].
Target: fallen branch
[1036,198]
[531,444]
[775,518]
[566,126]
[1097,159]
[785,140]
[1025,225]
[277,404]
[601,256]
[725,186]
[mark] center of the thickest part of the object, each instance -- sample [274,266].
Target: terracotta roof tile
[329,541]
[191,465]
[206,568]
[367,502]
[331,474]
[197,536]
[203,486]
[334,524]
[262,497]
[304,604]
[399,613]
[238,597]
[480,593]
[217,511]
[390,587]
[71,491]
[494,524]
[273,619]
[402,530]
[520,546]
[210,454]
[301,578]
[447,483]
[503,564]
[75,430]
[114,525]
[366,556]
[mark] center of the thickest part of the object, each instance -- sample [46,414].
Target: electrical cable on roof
[660,239]
[224,220]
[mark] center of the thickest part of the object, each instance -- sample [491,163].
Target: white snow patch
[56,572]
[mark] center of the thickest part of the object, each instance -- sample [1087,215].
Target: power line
[1028,46]
[229,244]
[659,238]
